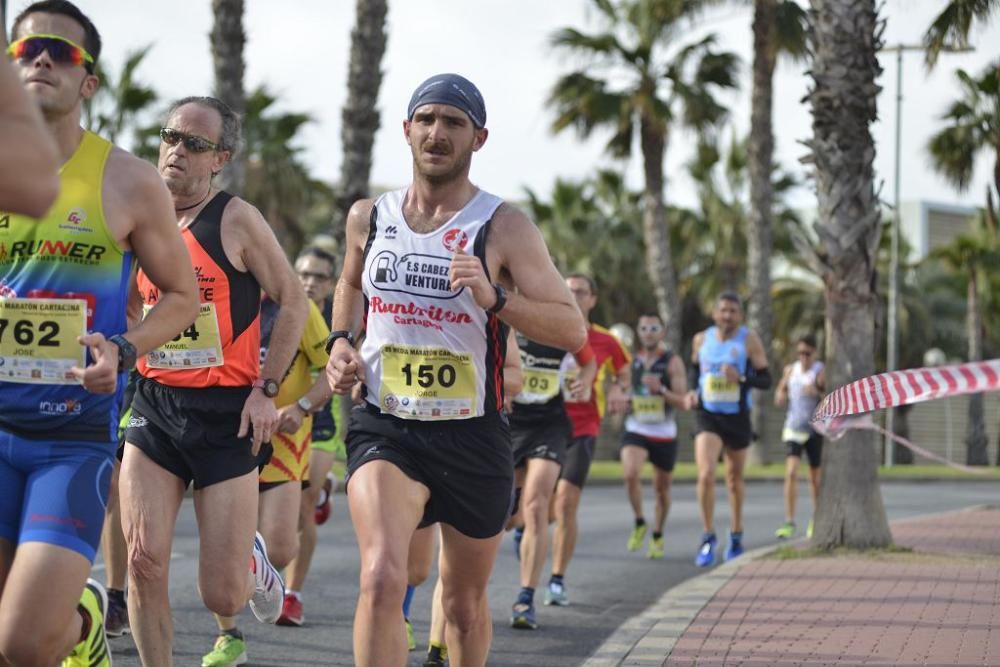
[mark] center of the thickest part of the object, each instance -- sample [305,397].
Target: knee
[224,599]
[631,476]
[662,490]
[283,550]
[734,479]
[463,612]
[146,566]
[418,570]
[535,509]
[383,581]
[706,476]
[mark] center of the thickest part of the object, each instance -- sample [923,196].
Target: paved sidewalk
[939,605]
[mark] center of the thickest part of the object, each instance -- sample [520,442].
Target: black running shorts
[735,430]
[662,453]
[191,432]
[541,440]
[466,464]
[576,465]
[813,447]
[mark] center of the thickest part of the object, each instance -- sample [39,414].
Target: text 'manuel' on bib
[198,346]
[427,383]
[38,340]
[720,390]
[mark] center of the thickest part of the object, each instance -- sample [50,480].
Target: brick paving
[937,606]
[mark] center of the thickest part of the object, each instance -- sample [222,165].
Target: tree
[951,27]
[633,84]
[227,40]
[360,117]
[845,36]
[119,103]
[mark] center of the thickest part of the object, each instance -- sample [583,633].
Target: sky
[300,50]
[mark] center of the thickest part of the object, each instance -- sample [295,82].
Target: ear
[89,86]
[220,160]
[406,131]
[481,135]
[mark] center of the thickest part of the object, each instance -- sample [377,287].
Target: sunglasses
[60,49]
[650,328]
[191,142]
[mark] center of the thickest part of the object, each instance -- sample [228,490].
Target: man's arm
[675,393]
[345,367]
[691,400]
[513,378]
[29,178]
[618,394]
[781,393]
[758,373]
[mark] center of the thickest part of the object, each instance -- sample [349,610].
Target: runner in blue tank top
[728,361]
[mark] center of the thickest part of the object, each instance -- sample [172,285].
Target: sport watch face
[270,388]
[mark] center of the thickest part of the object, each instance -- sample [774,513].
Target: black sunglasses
[191,142]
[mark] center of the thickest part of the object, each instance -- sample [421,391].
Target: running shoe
[518,535]
[636,538]
[655,551]
[809,528]
[706,553]
[269,594]
[292,613]
[93,651]
[735,547]
[555,595]
[411,642]
[325,505]
[786,531]
[437,656]
[116,617]
[228,651]
[522,616]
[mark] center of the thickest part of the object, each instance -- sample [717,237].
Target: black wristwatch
[501,299]
[126,352]
[268,386]
[334,335]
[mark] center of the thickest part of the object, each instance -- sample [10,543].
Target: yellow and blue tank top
[60,275]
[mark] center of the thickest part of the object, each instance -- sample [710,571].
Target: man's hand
[101,376]
[617,400]
[651,381]
[290,418]
[344,369]
[467,271]
[691,400]
[259,418]
[732,375]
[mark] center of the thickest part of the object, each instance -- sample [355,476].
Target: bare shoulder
[509,219]
[359,216]
[132,176]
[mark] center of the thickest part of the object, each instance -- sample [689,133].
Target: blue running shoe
[522,616]
[735,546]
[706,554]
[518,534]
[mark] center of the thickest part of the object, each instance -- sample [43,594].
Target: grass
[791,552]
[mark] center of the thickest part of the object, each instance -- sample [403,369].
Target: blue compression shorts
[54,492]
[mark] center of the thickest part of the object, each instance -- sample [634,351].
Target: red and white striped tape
[914,385]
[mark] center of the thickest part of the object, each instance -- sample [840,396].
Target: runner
[540,431]
[586,416]
[433,264]
[65,349]
[802,385]
[204,409]
[659,386]
[29,179]
[316,268]
[727,361]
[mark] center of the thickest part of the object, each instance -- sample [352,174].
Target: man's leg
[466,565]
[633,457]
[661,486]
[735,462]
[707,447]
[567,502]
[418,568]
[791,486]
[115,554]
[539,481]
[386,507]
[150,498]
[437,650]
[319,465]
[278,521]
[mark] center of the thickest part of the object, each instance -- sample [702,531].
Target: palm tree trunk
[845,38]
[659,259]
[228,38]
[759,236]
[360,118]
[975,433]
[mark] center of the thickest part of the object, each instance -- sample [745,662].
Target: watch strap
[334,335]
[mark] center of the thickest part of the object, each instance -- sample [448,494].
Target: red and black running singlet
[222,347]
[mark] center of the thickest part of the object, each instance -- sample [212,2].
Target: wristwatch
[305,404]
[334,335]
[126,352]
[267,385]
[501,301]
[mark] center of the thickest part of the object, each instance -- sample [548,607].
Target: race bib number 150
[428,383]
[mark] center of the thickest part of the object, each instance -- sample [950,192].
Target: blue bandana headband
[453,90]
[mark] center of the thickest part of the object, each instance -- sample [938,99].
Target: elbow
[191,306]
[39,195]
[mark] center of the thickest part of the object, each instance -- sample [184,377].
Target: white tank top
[800,405]
[430,353]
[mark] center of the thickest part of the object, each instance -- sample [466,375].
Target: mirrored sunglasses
[60,50]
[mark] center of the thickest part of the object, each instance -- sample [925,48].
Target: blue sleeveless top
[715,393]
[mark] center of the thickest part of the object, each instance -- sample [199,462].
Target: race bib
[428,383]
[718,389]
[794,435]
[541,385]
[198,346]
[648,409]
[38,340]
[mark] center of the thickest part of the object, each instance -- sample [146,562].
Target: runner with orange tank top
[204,408]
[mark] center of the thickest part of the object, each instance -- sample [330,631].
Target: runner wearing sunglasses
[65,282]
[659,386]
[204,409]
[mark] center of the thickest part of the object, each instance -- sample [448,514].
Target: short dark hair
[91,38]
[591,283]
[319,253]
[731,297]
[651,314]
[232,127]
[809,340]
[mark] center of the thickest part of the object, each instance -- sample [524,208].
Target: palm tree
[631,84]
[227,40]
[779,26]
[844,37]
[360,118]
[119,103]
[951,27]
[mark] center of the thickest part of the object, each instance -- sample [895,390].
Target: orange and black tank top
[222,347]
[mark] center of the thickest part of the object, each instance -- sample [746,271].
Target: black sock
[640,522]
[434,652]
[657,536]
[556,579]
[526,596]
[116,595]
[234,633]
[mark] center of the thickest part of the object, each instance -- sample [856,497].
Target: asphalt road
[606,584]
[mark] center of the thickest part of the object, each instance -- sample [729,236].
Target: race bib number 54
[198,346]
[428,383]
[38,340]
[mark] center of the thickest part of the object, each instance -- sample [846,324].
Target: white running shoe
[270,591]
